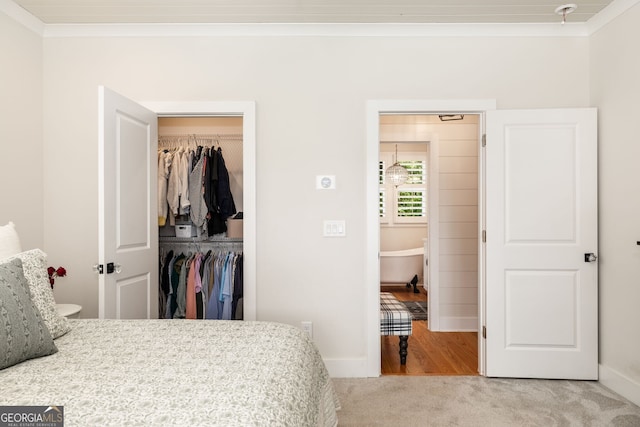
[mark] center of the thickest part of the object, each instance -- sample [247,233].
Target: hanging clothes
[202,286]
[164,166]
[185,169]
[199,210]
[195,182]
[215,221]
[224,196]
[173,183]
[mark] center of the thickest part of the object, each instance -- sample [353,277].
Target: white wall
[21,160]
[311,95]
[615,90]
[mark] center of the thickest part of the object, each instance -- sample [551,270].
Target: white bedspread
[178,373]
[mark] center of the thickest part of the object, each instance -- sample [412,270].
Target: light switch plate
[334,228]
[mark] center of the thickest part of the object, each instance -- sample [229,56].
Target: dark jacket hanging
[224,196]
[218,195]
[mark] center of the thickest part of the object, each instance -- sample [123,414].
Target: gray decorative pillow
[23,334]
[34,265]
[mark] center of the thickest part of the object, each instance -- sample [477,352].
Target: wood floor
[430,353]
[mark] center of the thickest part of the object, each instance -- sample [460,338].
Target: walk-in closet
[200,217]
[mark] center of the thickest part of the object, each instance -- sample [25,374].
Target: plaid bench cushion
[395,318]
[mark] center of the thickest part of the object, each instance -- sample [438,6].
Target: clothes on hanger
[194,182]
[201,285]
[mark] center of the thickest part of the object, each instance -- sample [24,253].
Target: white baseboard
[346,368]
[619,383]
[458,324]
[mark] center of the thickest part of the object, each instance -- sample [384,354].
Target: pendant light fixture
[396,174]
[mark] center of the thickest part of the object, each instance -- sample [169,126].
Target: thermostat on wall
[325,182]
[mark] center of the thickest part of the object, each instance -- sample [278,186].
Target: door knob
[590,257]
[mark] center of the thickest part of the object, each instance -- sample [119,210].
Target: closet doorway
[236,120]
[128,218]
[200,179]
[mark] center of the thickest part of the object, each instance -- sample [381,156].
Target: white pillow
[34,265]
[9,241]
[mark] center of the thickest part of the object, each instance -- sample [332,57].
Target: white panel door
[128,232]
[541,213]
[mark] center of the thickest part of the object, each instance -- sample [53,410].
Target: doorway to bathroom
[431,216]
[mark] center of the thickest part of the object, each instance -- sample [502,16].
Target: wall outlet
[307,326]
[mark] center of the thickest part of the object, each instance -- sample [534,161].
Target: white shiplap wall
[458,209]
[458,224]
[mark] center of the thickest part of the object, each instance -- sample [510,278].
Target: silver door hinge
[484,332]
[484,236]
[484,139]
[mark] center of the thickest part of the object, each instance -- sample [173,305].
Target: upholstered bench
[395,319]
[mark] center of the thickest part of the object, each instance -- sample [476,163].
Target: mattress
[178,372]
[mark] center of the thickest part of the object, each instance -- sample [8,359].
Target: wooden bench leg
[404,343]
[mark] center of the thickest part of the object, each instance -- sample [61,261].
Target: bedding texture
[178,372]
[23,334]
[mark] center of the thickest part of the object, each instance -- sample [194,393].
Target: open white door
[128,232]
[541,211]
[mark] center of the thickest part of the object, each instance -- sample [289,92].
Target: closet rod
[203,245]
[187,241]
[212,136]
[207,243]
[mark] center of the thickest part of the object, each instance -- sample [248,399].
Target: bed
[178,372]
[149,372]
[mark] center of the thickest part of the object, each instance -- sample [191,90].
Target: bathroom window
[412,203]
[406,203]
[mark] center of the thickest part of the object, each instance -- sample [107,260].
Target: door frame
[372,274]
[247,110]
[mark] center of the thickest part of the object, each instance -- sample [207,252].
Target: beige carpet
[479,401]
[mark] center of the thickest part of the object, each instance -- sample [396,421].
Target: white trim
[458,324]
[246,109]
[482,255]
[433,276]
[621,384]
[21,16]
[372,245]
[372,260]
[570,29]
[346,368]
[317,30]
[608,14]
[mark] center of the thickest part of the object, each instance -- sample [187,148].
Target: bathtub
[401,266]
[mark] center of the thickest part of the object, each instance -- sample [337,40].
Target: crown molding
[605,16]
[316,30]
[609,13]
[21,16]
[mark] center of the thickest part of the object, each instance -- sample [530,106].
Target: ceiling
[306,11]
